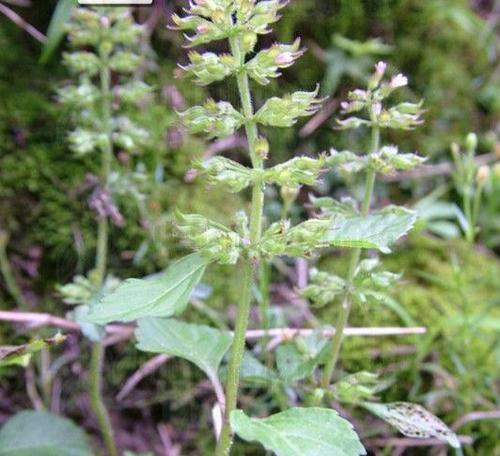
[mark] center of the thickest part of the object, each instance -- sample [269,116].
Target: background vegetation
[448,48]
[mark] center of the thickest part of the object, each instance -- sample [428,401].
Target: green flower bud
[210,238]
[226,172]
[248,41]
[398,120]
[209,67]
[409,108]
[471,142]
[262,148]
[351,122]
[482,175]
[388,159]
[356,387]
[125,62]
[83,95]
[205,30]
[295,172]
[127,134]
[82,62]
[244,9]
[132,92]
[345,161]
[216,120]
[284,112]
[266,64]
[82,141]
[324,288]
[289,194]
[304,238]
[105,48]
[318,395]
[80,291]
[264,13]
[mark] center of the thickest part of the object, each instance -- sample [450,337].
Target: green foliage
[448,52]
[202,345]
[300,431]
[378,230]
[162,297]
[28,433]
[21,354]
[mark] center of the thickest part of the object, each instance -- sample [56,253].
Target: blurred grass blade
[55,32]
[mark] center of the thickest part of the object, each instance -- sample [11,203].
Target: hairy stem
[98,351]
[345,309]
[244,305]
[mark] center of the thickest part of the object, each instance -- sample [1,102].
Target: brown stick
[146,369]
[476,416]
[19,21]
[319,118]
[125,331]
[409,442]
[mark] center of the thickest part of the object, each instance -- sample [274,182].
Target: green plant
[470,182]
[153,302]
[110,40]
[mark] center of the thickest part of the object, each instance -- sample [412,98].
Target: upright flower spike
[240,21]
[104,42]
[370,104]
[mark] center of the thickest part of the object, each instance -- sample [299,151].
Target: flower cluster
[384,161]
[298,241]
[212,20]
[212,239]
[105,42]
[405,116]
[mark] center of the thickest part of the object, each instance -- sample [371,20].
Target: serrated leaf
[202,345]
[31,433]
[163,297]
[413,420]
[375,231]
[19,355]
[300,432]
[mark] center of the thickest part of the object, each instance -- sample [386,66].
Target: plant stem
[8,276]
[96,401]
[345,308]
[244,305]
[97,354]
[264,275]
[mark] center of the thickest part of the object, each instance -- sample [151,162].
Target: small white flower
[377,108]
[398,81]
[202,28]
[380,67]
[105,21]
[285,58]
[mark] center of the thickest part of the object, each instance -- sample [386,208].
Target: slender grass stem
[7,274]
[98,350]
[345,309]
[247,277]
